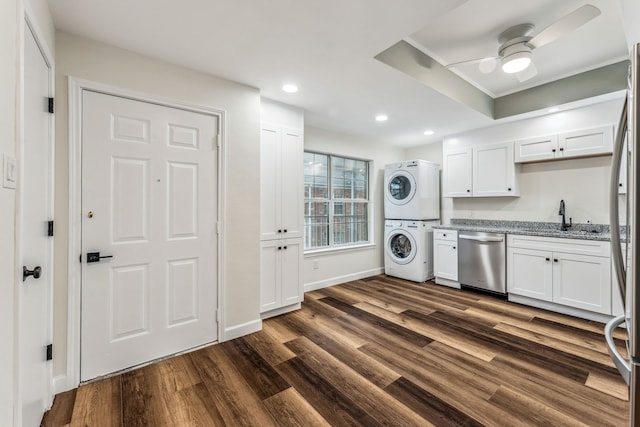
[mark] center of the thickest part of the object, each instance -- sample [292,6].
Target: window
[336,201]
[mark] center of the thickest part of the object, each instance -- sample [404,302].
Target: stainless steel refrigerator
[625,252]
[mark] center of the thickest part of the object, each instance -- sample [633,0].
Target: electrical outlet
[9,171]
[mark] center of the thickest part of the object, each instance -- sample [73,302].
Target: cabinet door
[582,281]
[529,273]
[291,282]
[535,149]
[270,194]
[457,173]
[292,183]
[494,170]
[445,259]
[586,142]
[270,275]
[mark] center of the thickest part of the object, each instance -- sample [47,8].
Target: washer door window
[401,247]
[401,188]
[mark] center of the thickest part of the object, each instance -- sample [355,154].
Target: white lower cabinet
[529,273]
[582,281]
[445,257]
[569,272]
[280,274]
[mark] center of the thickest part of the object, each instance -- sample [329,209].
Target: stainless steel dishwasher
[482,261]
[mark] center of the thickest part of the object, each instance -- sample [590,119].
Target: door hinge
[50,352]
[51,105]
[218,142]
[218,227]
[50,229]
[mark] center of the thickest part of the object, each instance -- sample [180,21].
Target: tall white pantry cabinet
[281,214]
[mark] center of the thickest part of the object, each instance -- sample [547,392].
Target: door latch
[95,256]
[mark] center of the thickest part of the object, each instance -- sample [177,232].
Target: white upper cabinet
[536,149]
[494,171]
[457,173]
[480,171]
[579,143]
[281,162]
[586,142]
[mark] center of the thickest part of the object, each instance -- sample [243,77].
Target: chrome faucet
[564,226]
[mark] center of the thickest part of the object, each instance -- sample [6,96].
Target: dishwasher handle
[481,238]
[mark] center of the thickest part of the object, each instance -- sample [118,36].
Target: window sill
[329,251]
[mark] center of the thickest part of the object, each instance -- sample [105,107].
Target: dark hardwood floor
[379,351]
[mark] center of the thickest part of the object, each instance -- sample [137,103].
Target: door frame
[29,22]
[76,88]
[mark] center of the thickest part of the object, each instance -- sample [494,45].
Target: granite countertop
[599,232]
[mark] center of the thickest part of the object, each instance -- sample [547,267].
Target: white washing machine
[412,190]
[408,249]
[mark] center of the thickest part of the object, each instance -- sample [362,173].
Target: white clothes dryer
[408,249]
[412,190]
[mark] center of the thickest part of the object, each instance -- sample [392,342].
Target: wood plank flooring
[374,352]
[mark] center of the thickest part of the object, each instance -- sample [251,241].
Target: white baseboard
[559,308]
[281,310]
[60,384]
[243,329]
[308,287]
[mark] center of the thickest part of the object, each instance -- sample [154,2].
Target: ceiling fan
[517,43]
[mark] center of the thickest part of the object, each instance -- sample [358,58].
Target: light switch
[9,171]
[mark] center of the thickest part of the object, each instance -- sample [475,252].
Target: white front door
[149,239]
[35,291]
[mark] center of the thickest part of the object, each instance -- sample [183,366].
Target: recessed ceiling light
[381,118]
[290,88]
[554,110]
[429,132]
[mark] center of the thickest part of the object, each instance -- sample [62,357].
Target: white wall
[341,266]
[281,114]
[582,183]
[90,60]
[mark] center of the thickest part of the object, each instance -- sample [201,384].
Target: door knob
[36,272]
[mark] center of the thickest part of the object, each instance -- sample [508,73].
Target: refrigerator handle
[614,212]
[623,365]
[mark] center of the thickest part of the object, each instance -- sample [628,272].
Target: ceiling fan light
[516,62]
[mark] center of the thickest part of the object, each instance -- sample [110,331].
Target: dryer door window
[401,188]
[402,247]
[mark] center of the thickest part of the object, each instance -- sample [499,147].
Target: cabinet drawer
[451,235]
[573,246]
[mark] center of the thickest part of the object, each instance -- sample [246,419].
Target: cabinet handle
[279,231]
[555,260]
[454,248]
[285,230]
[547,259]
[561,149]
[509,189]
[620,184]
[468,191]
[553,150]
[284,247]
[444,235]
[279,248]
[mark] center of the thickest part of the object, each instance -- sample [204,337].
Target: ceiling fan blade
[528,73]
[565,25]
[472,61]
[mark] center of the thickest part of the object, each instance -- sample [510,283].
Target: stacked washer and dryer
[411,209]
